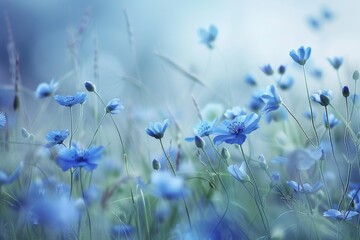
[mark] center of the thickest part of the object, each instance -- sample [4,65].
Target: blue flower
[336,62]
[323,97]
[239,173]
[56,137]
[301,56]
[121,231]
[307,115]
[45,90]
[157,129]
[2,120]
[271,98]
[167,186]
[306,188]
[69,101]
[114,106]
[202,129]
[234,112]
[285,83]
[343,215]
[90,86]
[355,198]
[256,103]
[7,179]
[277,115]
[281,69]
[208,37]
[76,157]
[333,121]
[250,80]
[267,69]
[234,131]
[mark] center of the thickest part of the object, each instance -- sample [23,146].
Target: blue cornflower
[343,215]
[7,179]
[256,103]
[267,69]
[2,120]
[114,106]
[285,83]
[69,101]
[56,137]
[333,121]
[76,157]
[336,62]
[167,186]
[121,231]
[323,97]
[157,129]
[271,98]
[45,89]
[250,80]
[208,37]
[301,56]
[281,69]
[234,131]
[234,112]
[202,129]
[306,188]
[239,173]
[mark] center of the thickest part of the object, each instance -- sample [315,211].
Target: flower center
[236,127]
[203,128]
[69,99]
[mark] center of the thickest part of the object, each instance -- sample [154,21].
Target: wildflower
[234,131]
[90,86]
[239,173]
[355,75]
[76,157]
[250,80]
[208,37]
[56,137]
[343,215]
[336,62]
[256,102]
[157,129]
[45,90]
[355,198]
[7,179]
[69,101]
[285,83]
[2,120]
[333,121]
[202,129]
[301,56]
[271,98]
[305,188]
[323,97]
[275,177]
[164,185]
[234,112]
[114,106]
[267,69]
[120,231]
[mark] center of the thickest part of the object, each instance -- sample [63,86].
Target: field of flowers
[159,120]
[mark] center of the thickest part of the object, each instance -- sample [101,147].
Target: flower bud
[356,75]
[345,91]
[156,164]
[262,162]
[90,86]
[225,153]
[199,142]
[324,100]
[281,69]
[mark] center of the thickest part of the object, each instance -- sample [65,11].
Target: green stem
[311,110]
[325,184]
[97,129]
[71,127]
[86,205]
[167,158]
[346,187]
[297,121]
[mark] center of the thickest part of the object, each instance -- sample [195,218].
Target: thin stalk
[339,79]
[167,158]
[347,186]
[223,185]
[333,151]
[325,184]
[71,127]
[302,129]
[97,129]
[346,130]
[257,190]
[311,110]
[353,106]
[86,205]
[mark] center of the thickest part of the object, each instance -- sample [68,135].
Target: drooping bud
[346,91]
[156,164]
[90,86]
[324,100]
[225,153]
[199,142]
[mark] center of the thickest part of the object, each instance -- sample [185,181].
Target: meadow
[179,120]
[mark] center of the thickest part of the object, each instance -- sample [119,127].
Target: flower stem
[97,129]
[167,158]
[71,128]
[311,110]
[333,151]
[325,184]
[86,205]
